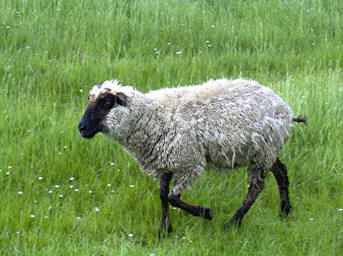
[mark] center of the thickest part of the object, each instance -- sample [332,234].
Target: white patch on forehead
[99,89]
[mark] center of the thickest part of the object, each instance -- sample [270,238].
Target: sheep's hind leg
[280,172]
[181,183]
[255,188]
[164,191]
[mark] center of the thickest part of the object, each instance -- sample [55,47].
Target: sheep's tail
[300,119]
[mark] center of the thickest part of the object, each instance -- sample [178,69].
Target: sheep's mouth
[89,133]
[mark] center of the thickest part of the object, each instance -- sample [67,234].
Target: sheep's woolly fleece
[221,125]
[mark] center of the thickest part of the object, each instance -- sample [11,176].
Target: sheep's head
[106,112]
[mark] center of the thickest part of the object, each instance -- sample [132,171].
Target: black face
[96,112]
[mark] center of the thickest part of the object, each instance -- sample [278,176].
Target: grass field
[64,195]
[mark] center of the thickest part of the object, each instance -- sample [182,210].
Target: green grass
[52,52]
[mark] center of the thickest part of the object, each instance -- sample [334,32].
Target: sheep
[180,132]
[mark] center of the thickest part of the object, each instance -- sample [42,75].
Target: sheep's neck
[146,135]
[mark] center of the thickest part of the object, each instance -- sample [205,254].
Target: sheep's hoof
[235,223]
[206,213]
[285,210]
[162,233]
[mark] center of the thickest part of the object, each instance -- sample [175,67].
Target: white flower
[60,196]
[207,41]
[9,167]
[40,178]
[108,185]
[57,186]
[50,191]
[112,163]
[311,219]
[81,90]
[96,209]
[71,186]
[8,27]
[131,186]
[90,191]
[78,218]
[340,209]
[130,235]
[32,216]
[212,26]
[72,178]
[8,173]
[178,52]
[76,189]
[20,192]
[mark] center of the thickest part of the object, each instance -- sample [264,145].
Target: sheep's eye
[109,100]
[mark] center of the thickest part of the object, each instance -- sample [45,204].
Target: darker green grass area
[64,195]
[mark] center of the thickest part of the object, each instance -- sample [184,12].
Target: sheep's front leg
[183,180]
[195,210]
[164,191]
[255,188]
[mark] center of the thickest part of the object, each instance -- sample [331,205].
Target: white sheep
[180,132]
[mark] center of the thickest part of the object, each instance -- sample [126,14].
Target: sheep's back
[234,123]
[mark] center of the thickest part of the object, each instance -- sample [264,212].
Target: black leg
[280,172]
[255,188]
[195,210]
[164,191]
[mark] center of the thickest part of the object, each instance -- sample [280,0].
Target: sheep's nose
[82,127]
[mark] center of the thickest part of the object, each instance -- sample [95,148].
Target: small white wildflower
[340,209]
[212,26]
[18,232]
[71,186]
[81,90]
[174,208]
[40,178]
[72,178]
[8,173]
[112,163]
[35,201]
[96,209]
[183,238]
[207,41]
[178,52]
[32,216]
[8,27]
[60,196]
[50,191]
[108,185]
[65,147]
[311,219]
[27,47]
[130,235]
[131,186]
[209,45]
[118,170]
[10,167]
[169,43]
[20,192]
[76,189]
[0,170]
[18,12]
[78,218]
[57,186]
[90,191]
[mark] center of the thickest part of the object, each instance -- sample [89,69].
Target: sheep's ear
[121,99]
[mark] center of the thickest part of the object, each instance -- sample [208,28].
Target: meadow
[64,195]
